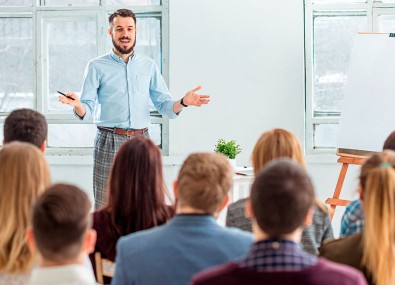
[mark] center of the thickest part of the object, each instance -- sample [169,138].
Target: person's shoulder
[238,205]
[144,237]
[215,274]
[100,59]
[236,234]
[143,60]
[346,250]
[340,273]
[343,242]
[354,204]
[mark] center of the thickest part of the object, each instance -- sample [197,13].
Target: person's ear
[30,239]
[43,146]
[90,241]
[248,212]
[224,203]
[175,189]
[309,217]
[110,31]
[360,191]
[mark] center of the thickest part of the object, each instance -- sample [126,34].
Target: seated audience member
[281,203]
[26,125]
[61,232]
[192,240]
[136,196]
[271,145]
[372,250]
[353,218]
[24,174]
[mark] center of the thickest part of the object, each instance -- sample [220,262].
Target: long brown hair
[277,143]
[24,175]
[136,187]
[377,182]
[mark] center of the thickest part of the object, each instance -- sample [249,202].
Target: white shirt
[62,275]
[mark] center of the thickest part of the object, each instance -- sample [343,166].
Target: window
[330,29]
[45,46]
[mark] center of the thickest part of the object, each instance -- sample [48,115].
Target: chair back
[104,267]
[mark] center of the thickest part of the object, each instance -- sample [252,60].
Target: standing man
[122,83]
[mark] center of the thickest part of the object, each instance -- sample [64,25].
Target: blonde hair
[204,181]
[24,174]
[277,143]
[377,181]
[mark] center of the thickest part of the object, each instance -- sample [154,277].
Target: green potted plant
[230,149]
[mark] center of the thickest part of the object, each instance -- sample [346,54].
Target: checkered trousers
[107,145]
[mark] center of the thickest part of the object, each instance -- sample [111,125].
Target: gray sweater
[312,236]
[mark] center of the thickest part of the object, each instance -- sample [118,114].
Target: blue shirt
[353,219]
[119,93]
[277,255]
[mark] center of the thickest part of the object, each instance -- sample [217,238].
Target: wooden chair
[104,268]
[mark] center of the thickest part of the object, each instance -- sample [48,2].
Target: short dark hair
[60,221]
[121,13]
[281,197]
[25,125]
[390,142]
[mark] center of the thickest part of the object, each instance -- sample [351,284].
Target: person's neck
[75,261]
[186,210]
[260,235]
[125,57]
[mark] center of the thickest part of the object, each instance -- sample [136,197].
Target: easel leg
[338,189]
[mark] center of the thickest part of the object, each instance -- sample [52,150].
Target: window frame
[38,12]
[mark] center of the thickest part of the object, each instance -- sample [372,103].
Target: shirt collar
[277,255]
[120,59]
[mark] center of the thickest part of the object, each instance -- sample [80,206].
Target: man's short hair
[390,142]
[204,181]
[60,220]
[281,197]
[121,13]
[25,125]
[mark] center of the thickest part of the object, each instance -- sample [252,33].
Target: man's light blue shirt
[119,93]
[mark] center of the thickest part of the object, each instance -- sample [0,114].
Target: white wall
[249,56]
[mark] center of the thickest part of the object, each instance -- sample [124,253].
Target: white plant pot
[232,163]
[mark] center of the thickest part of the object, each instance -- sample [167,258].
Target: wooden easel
[347,157]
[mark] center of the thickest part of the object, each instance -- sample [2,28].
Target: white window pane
[134,2]
[325,135]
[155,133]
[71,135]
[16,3]
[71,2]
[333,38]
[16,68]
[386,23]
[71,45]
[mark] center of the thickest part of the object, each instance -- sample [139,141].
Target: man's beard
[121,49]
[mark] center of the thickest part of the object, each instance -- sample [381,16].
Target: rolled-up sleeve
[89,90]
[160,94]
